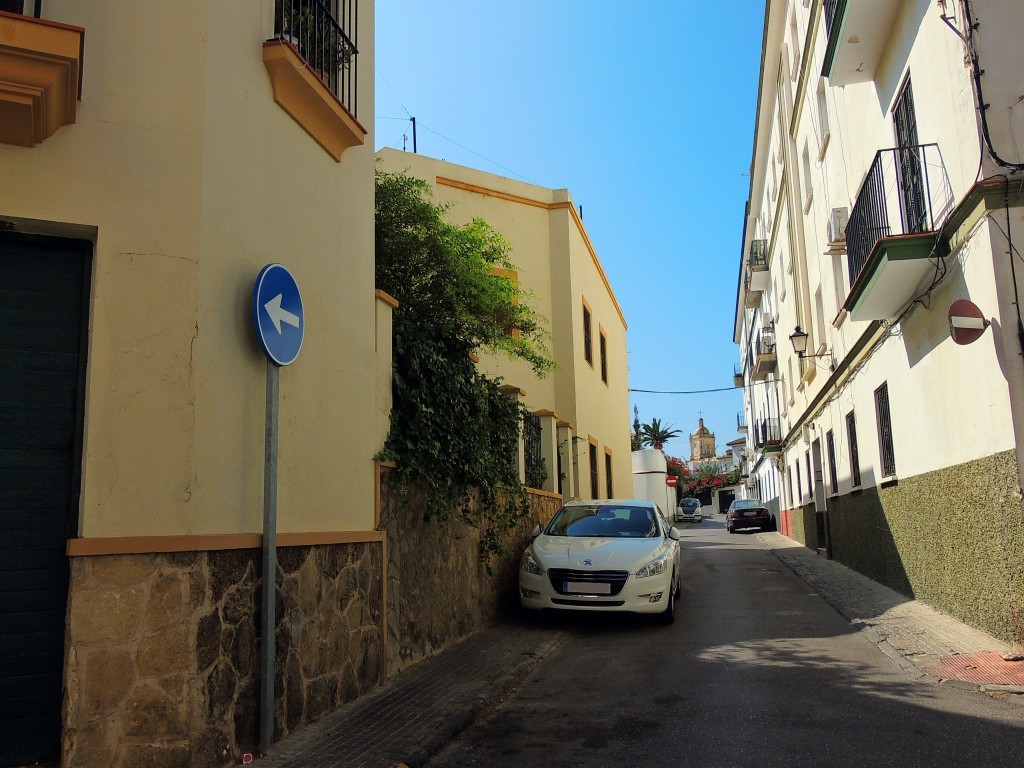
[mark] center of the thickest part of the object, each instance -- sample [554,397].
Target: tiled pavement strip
[409,719]
[926,643]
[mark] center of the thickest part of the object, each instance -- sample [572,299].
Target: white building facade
[886,184]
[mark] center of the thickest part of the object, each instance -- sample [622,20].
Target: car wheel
[668,616]
[730,529]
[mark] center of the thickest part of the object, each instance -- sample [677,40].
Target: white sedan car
[603,555]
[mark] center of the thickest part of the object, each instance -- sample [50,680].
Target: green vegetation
[453,431]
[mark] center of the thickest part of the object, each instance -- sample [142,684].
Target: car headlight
[529,563]
[654,568]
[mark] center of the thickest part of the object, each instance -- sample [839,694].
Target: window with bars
[595,490]
[561,474]
[604,359]
[851,436]
[810,476]
[798,499]
[885,448]
[608,475]
[830,443]
[588,335]
[536,472]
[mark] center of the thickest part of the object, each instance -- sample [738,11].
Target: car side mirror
[674,534]
[536,531]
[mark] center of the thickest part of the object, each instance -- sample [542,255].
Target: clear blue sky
[645,112]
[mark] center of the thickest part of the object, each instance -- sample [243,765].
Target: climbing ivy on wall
[454,432]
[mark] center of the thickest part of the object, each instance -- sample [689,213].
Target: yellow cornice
[446,182]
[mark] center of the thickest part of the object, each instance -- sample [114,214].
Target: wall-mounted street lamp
[799,341]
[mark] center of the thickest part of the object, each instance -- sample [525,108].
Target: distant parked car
[748,513]
[689,510]
[603,555]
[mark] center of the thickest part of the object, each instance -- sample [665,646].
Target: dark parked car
[748,513]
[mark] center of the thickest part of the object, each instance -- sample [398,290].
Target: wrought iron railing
[536,472]
[758,253]
[906,191]
[830,15]
[758,258]
[767,431]
[324,33]
[741,421]
[765,342]
[885,444]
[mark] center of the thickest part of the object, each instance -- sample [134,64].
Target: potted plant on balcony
[316,37]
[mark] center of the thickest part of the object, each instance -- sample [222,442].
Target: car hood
[597,553]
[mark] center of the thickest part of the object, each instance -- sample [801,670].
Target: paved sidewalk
[926,643]
[409,719]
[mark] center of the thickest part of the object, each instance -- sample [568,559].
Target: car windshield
[689,503]
[746,504]
[605,520]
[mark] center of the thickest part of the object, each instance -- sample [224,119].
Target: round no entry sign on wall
[966,321]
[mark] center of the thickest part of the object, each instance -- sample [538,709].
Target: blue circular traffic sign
[277,313]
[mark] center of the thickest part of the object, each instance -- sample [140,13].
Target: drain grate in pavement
[986,667]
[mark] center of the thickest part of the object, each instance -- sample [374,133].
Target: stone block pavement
[410,718]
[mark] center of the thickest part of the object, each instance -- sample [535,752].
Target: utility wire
[397,98]
[696,391]
[446,138]
[463,146]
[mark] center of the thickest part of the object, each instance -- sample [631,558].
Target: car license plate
[750,513]
[586,588]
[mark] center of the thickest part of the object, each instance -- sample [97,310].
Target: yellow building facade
[583,406]
[152,160]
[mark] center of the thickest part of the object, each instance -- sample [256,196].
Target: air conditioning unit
[837,221]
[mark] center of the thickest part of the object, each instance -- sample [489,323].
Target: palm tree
[656,435]
[636,436]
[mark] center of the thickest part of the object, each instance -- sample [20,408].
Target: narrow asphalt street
[757,671]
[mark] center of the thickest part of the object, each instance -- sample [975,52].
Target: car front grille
[588,603]
[614,579]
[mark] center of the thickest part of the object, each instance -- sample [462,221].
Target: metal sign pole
[268,605]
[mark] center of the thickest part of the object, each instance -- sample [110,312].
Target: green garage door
[43,289]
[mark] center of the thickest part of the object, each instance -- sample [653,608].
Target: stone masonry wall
[163,651]
[438,590]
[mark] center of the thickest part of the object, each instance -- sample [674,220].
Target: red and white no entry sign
[670,481]
[966,321]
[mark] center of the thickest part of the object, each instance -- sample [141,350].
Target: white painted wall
[649,472]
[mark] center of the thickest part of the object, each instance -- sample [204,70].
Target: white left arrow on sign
[279,314]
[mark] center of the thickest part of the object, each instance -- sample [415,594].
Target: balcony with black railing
[891,236]
[313,62]
[325,40]
[755,279]
[765,356]
[768,435]
[741,422]
[858,33]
